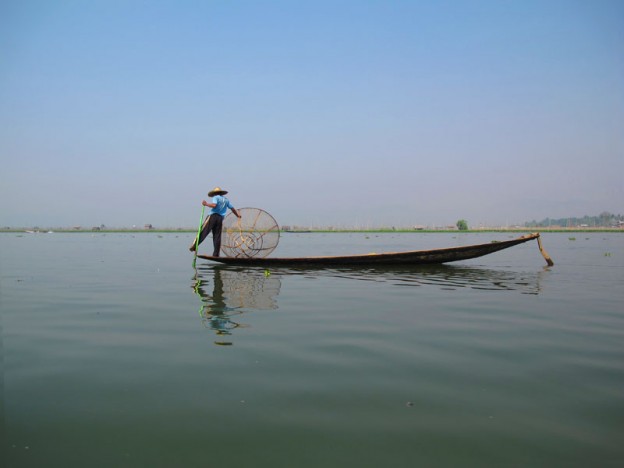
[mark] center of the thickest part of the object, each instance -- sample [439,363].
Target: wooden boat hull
[416,257]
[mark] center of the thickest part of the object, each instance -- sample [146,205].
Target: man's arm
[209,205]
[235,212]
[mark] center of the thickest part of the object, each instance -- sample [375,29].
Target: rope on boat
[544,253]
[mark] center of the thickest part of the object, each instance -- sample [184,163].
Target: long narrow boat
[415,257]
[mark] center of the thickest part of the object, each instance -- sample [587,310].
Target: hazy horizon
[556,223]
[346,113]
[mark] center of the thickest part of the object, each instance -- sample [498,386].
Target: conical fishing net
[255,234]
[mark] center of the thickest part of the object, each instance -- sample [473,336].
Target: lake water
[116,352]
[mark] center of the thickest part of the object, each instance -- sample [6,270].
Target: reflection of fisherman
[214,221]
[215,307]
[234,292]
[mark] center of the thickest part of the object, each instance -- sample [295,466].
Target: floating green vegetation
[607,254]
[572,238]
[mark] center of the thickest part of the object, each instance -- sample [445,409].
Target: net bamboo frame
[254,234]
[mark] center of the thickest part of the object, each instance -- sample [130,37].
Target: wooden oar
[544,253]
[201,220]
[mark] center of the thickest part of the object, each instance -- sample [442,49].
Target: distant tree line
[604,219]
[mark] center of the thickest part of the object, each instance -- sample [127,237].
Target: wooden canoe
[416,257]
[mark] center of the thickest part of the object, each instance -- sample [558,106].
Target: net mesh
[255,234]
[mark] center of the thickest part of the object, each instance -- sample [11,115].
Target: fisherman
[214,221]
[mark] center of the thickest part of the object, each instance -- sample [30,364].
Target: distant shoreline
[309,231]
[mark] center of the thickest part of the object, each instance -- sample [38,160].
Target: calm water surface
[116,352]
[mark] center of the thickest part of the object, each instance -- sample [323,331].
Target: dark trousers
[214,224]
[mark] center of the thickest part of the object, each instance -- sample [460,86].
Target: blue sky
[343,113]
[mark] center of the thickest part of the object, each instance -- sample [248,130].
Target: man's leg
[217,227]
[202,234]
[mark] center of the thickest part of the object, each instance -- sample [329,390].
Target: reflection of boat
[447,277]
[227,294]
[416,257]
